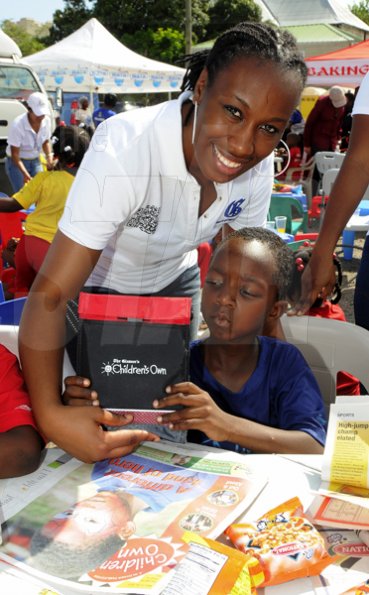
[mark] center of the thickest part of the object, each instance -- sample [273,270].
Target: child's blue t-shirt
[281,393]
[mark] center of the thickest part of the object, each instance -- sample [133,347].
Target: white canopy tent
[93,60]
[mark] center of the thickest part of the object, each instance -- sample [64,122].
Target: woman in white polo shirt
[154,184]
[29,134]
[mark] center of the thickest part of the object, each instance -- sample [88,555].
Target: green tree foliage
[28,44]
[155,28]
[122,17]
[168,45]
[65,22]
[361,10]
[224,14]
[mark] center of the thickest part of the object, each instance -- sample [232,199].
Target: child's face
[238,293]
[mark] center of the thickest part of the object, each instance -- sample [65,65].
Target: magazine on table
[343,499]
[120,525]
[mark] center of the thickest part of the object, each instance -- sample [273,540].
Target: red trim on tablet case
[142,416]
[165,310]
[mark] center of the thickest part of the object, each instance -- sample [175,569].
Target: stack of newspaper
[119,525]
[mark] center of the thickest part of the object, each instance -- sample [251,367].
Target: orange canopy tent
[345,67]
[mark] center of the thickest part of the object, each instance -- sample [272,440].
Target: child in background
[48,191]
[20,443]
[294,144]
[323,308]
[247,393]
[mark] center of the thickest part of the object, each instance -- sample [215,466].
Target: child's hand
[77,392]
[199,412]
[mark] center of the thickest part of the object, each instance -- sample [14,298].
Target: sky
[43,10]
[38,10]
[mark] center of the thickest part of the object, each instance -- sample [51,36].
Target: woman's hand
[317,280]
[199,411]
[81,432]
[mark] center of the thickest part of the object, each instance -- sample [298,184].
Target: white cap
[39,104]
[337,97]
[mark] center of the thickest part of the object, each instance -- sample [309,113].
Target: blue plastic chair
[292,208]
[11,311]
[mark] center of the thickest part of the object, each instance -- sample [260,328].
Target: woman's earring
[194,121]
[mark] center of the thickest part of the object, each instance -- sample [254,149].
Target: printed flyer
[346,454]
[343,497]
[120,525]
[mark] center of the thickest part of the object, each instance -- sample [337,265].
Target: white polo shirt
[134,199]
[361,104]
[29,142]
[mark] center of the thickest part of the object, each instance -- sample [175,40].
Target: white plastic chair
[328,179]
[9,338]
[330,346]
[325,160]
[305,177]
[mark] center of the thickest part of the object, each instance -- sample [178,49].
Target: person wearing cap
[48,191]
[29,134]
[323,126]
[105,111]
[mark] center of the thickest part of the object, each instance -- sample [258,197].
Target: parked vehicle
[17,82]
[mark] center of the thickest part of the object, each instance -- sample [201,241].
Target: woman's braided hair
[245,40]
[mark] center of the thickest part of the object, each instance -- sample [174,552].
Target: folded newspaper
[120,525]
[343,499]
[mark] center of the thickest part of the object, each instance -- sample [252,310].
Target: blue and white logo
[234,208]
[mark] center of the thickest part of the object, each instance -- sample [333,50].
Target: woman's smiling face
[241,117]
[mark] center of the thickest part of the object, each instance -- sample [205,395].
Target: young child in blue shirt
[248,392]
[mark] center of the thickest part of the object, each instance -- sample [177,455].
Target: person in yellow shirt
[48,190]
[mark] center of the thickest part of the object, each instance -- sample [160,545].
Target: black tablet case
[132,347]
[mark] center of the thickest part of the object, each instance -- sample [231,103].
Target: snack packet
[210,568]
[362,589]
[284,542]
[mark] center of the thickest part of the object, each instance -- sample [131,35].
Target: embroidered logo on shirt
[146,219]
[23,408]
[234,208]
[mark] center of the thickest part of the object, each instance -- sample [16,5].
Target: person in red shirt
[20,442]
[323,125]
[293,142]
